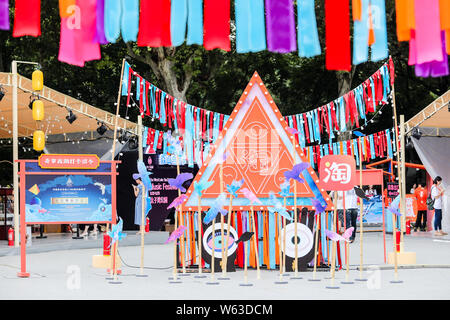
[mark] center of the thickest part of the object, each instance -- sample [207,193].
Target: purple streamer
[436,68]
[4,14]
[280,24]
[100,32]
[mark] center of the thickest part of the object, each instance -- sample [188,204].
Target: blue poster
[373,210]
[68,198]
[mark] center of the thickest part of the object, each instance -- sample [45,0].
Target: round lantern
[38,140]
[38,110]
[37,80]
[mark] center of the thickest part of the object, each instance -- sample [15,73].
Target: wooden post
[284,240]
[255,236]
[360,215]
[333,244]
[403,181]
[228,233]
[295,214]
[199,240]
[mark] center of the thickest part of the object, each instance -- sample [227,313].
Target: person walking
[436,194]
[421,221]
[351,211]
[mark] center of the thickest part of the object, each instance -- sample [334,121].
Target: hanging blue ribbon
[372,86]
[189,135]
[144,137]
[311,157]
[301,130]
[323,238]
[379,49]
[174,108]
[152,101]
[331,135]
[130,20]
[216,126]
[307,36]
[389,144]
[155,140]
[342,124]
[162,108]
[311,132]
[138,88]
[360,101]
[361,35]
[372,147]
[195,22]
[316,126]
[272,240]
[144,95]
[260,236]
[178,19]
[112,15]
[356,148]
[126,70]
[250,27]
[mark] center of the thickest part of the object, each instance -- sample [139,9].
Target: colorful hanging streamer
[337,34]
[130,20]
[428,31]
[250,27]
[112,13]
[280,26]
[195,22]
[154,24]
[178,20]
[100,22]
[216,25]
[307,36]
[27,19]
[4,14]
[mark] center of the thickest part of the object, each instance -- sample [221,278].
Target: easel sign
[65,189]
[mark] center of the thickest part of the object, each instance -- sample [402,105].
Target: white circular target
[208,240]
[305,240]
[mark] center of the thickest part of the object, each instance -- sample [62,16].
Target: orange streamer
[404,10]
[444,11]
[356,10]
[371,31]
[63,6]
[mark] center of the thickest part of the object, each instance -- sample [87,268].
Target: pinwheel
[215,208]
[360,193]
[178,200]
[234,186]
[179,180]
[318,206]
[333,236]
[394,206]
[116,233]
[295,172]
[245,237]
[144,175]
[292,131]
[285,186]
[176,234]
[278,207]
[199,187]
[250,196]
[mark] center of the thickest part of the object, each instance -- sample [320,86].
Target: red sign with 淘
[337,172]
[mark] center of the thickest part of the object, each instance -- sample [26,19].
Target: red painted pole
[23,227]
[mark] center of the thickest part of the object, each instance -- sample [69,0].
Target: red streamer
[27,20]
[154,24]
[337,34]
[216,25]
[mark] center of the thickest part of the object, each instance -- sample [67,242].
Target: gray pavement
[68,274]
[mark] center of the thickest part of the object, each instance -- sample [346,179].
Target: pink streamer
[428,32]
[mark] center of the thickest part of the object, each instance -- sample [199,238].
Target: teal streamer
[162,116]
[138,88]
[178,20]
[356,148]
[195,22]
[302,132]
[271,240]
[130,19]
[126,70]
[372,147]
[112,13]
[379,49]
[361,35]
[307,35]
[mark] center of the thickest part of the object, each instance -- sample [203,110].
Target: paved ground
[68,274]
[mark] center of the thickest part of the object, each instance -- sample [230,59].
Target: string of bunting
[260,25]
[204,126]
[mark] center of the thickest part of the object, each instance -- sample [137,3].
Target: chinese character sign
[337,172]
[69,161]
[392,190]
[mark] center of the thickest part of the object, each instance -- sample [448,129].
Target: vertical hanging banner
[217,25]
[195,22]
[130,20]
[112,12]
[250,27]
[178,19]
[100,29]
[379,49]
[307,36]
[154,24]
[280,26]
[27,19]
[65,8]
[361,35]
[337,34]
[428,32]
[4,15]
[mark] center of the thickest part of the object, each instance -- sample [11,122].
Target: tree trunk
[344,79]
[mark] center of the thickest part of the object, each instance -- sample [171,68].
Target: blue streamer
[311,132]
[331,135]
[307,36]
[356,148]
[195,22]
[272,240]
[300,128]
[138,88]
[316,125]
[155,140]
[372,147]
[112,15]
[178,19]
[144,95]
[361,35]
[389,144]
[250,27]
[126,70]
[130,20]
[379,49]
[162,116]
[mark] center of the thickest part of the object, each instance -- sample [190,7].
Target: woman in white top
[436,195]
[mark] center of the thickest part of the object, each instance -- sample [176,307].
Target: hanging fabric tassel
[154,24]
[371,31]
[178,20]
[404,11]
[100,23]
[195,22]
[434,68]
[337,34]
[4,14]
[130,20]
[307,36]
[217,25]
[357,10]
[27,18]
[280,26]
[379,49]
[361,36]
[428,32]
[112,13]
[250,28]
[65,7]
